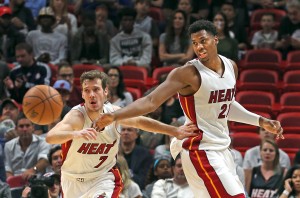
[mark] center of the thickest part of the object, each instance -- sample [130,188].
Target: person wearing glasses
[65,72]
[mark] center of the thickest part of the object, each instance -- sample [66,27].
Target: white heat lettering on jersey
[95,148]
[222,95]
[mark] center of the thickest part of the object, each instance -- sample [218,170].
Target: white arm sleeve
[238,113]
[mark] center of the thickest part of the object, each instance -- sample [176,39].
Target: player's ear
[216,39]
[106,91]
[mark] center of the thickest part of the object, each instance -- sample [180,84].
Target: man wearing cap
[10,110]
[46,42]
[64,88]
[26,74]
[9,35]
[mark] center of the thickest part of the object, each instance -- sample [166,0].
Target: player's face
[204,45]
[268,152]
[93,94]
[56,161]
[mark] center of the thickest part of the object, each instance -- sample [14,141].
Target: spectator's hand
[29,173]
[295,43]
[17,22]
[45,58]
[8,83]
[19,82]
[10,135]
[272,126]
[287,185]
[130,62]
[26,191]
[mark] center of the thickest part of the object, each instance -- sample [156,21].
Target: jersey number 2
[224,111]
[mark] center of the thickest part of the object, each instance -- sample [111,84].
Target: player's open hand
[104,120]
[187,130]
[87,134]
[272,126]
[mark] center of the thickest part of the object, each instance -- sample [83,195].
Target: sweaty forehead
[90,83]
[200,35]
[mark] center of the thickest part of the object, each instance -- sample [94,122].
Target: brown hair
[94,74]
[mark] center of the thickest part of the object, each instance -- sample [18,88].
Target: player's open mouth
[93,102]
[202,55]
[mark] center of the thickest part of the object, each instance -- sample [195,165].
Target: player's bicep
[72,121]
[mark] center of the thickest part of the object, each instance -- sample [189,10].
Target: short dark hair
[173,162]
[24,46]
[202,25]
[268,14]
[127,11]
[94,74]
[21,116]
[53,150]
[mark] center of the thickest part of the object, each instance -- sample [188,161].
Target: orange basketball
[42,104]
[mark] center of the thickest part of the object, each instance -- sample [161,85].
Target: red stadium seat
[293,61]
[139,84]
[80,68]
[136,93]
[244,141]
[260,80]
[256,100]
[54,70]
[262,59]
[290,102]
[16,181]
[290,122]
[290,143]
[134,72]
[291,81]
[158,72]
[156,14]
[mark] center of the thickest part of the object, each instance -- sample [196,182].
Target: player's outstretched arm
[176,80]
[69,128]
[151,125]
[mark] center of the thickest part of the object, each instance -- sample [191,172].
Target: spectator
[131,46]
[22,17]
[9,35]
[163,150]
[117,94]
[65,22]
[46,42]
[4,72]
[266,178]
[2,168]
[34,6]
[289,29]
[55,159]
[176,187]
[160,169]
[237,21]
[10,110]
[103,24]
[88,44]
[290,188]
[186,5]
[5,190]
[26,74]
[64,88]
[252,156]
[138,158]
[175,48]
[27,153]
[267,36]
[227,46]
[65,72]
[130,188]
[53,191]
[145,23]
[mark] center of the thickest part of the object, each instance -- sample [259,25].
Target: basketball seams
[47,96]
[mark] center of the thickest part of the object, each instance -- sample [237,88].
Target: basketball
[42,104]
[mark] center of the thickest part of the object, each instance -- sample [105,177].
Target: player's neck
[214,64]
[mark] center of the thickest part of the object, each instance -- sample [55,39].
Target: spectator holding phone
[291,184]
